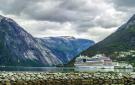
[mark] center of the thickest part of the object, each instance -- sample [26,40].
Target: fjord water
[61,69]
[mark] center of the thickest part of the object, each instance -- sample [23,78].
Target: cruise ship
[99,61]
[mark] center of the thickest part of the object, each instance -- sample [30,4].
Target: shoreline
[72,78]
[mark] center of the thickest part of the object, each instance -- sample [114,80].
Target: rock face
[123,40]
[19,48]
[66,47]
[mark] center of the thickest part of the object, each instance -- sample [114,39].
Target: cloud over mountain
[92,19]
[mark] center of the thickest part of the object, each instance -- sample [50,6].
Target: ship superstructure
[97,61]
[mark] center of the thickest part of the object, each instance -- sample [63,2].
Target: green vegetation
[118,43]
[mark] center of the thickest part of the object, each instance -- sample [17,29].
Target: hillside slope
[120,45]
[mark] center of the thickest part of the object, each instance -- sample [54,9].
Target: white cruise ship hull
[95,67]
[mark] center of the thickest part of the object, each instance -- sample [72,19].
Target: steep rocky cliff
[19,48]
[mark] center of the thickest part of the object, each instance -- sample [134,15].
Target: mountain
[66,47]
[19,48]
[120,45]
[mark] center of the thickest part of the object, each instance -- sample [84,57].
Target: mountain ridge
[66,48]
[21,44]
[122,40]
[19,48]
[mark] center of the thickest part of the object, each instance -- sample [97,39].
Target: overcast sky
[90,19]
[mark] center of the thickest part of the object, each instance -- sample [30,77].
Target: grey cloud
[106,23]
[126,3]
[15,6]
[76,11]
[74,5]
[57,15]
[52,14]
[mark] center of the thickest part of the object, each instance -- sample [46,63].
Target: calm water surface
[62,69]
